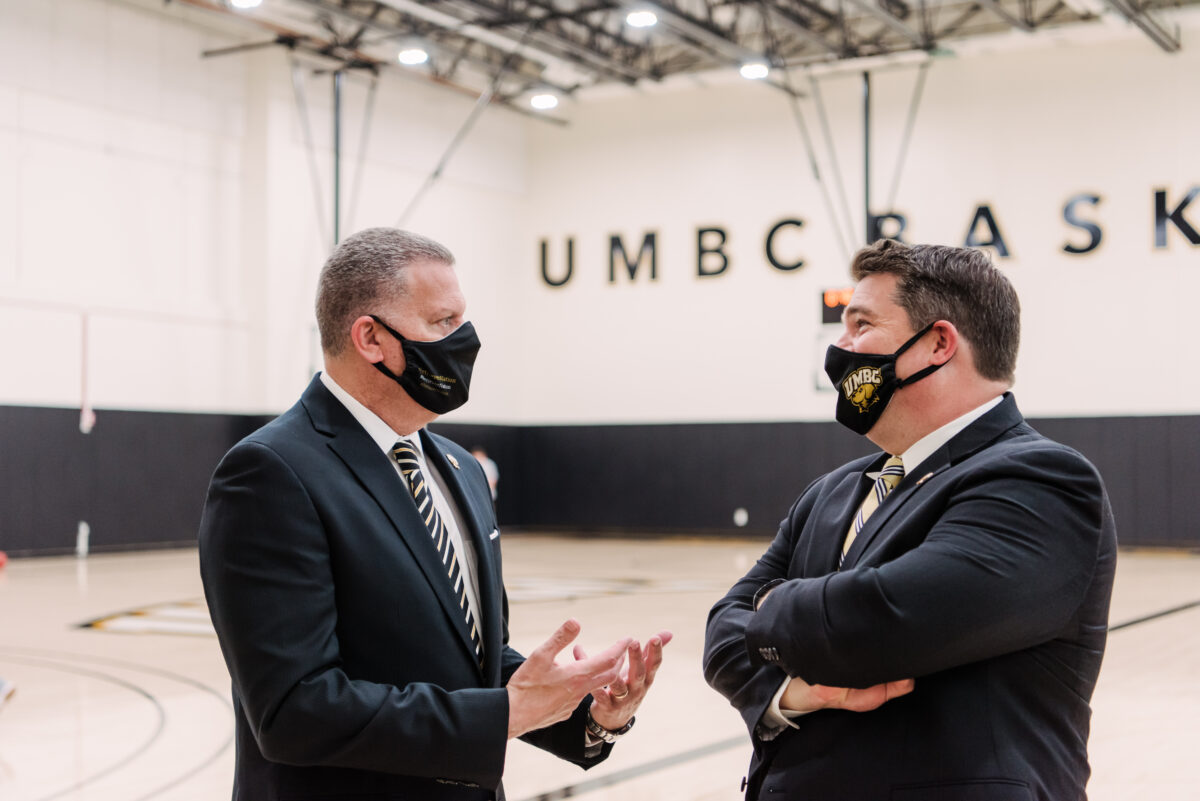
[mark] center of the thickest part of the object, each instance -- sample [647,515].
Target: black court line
[1155,616]
[120,763]
[49,658]
[572,790]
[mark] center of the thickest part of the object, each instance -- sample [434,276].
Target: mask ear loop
[379,365]
[917,376]
[388,328]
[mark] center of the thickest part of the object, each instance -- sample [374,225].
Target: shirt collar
[380,432]
[923,448]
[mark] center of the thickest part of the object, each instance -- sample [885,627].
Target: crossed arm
[1003,564]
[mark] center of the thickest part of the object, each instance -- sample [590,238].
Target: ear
[945,341]
[367,337]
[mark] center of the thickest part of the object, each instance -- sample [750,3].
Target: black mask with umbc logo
[436,374]
[865,382]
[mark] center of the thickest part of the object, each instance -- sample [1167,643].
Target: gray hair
[959,285]
[365,271]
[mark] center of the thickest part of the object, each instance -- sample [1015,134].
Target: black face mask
[865,382]
[436,374]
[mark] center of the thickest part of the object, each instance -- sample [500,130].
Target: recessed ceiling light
[543,101]
[245,4]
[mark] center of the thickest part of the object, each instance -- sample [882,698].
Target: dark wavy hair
[959,285]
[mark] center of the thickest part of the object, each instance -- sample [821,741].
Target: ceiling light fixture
[754,70]
[245,5]
[412,56]
[543,101]
[641,18]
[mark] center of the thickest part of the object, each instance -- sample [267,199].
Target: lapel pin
[924,478]
[454,462]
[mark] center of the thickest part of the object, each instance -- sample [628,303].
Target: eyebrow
[853,309]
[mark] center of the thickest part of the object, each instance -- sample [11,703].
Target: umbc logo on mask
[859,387]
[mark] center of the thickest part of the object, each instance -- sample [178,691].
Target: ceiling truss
[520,46]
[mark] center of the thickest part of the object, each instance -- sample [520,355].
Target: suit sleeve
[728,669]
[268,581]
[1005,566]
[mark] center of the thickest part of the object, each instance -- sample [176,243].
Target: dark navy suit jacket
[353,673]
[985,575]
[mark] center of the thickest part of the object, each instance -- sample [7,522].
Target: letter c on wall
[775,229]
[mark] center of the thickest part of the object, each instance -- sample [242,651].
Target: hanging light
[641,18]
[754,70]
[412,55]
[544,101]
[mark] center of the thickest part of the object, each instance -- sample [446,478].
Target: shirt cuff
[775,719]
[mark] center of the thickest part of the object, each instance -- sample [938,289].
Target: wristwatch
[764,591]
[607,735]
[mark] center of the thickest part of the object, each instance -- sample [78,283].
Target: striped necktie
[889,477]
[406,456]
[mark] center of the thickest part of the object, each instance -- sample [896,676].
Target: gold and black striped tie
[406,456]
[889,477]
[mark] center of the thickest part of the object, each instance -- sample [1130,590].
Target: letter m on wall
[616,250]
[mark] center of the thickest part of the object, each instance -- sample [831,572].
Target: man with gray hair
[351,564]
[929,622]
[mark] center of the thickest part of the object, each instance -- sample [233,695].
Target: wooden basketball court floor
[135,706]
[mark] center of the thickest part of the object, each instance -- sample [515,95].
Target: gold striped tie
[889,477]
[410,467]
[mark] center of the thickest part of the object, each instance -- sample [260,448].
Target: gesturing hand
[800,696]
[541,692]
[613,706]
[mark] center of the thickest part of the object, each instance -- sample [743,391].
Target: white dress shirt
[775,718]
[385,438]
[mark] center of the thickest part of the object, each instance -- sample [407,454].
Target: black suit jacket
[985,575]
[353,673]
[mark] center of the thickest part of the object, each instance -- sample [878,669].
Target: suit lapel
[836,514]
[473,516]
[966,443]
[378,476]
[908,486]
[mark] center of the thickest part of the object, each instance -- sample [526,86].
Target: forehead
[431,285]
[875,296]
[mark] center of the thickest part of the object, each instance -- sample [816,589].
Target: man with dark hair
[351,564]
[929,621]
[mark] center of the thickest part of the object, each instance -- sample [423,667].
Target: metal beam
[789,20]
[1006,15]
[558,47]
[890,21]
[392,30]
[536,46]
[1148,25]
[695,33]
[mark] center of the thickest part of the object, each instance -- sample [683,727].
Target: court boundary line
[1155,616]
[48,658]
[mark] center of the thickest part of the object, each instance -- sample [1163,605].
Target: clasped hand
[800,696]
[542,692]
